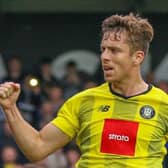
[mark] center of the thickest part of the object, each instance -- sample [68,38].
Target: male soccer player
[121,123]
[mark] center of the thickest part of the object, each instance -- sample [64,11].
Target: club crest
[147,112]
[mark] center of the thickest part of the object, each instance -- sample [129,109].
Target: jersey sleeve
[67,118]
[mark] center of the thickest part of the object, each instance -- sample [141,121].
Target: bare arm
[35,144]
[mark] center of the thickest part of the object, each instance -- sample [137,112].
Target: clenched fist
[9,93]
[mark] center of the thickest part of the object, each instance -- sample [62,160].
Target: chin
[109,80]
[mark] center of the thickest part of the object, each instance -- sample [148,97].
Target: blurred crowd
[39,103]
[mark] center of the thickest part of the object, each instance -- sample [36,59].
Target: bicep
[52,138]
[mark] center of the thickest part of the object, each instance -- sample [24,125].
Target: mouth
[105,68]
[108,71]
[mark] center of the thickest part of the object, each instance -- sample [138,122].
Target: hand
[9,93]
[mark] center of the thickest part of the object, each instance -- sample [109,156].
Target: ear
[138,57]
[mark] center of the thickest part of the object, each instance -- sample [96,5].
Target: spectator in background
[6,139]
[14,70]
[9,157]
[55,96]
[89,84]
[6,136]
[72,154]
[57,160]
[47,112]
[45,75]
[71,80]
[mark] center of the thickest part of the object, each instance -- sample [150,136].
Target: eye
[113,50]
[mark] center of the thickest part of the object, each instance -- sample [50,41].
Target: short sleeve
[67,118]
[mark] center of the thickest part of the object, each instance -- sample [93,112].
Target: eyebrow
[111,47]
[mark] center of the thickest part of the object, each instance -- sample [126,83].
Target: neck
[129,87]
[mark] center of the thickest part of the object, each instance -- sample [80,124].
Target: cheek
[124,65]
[128,68]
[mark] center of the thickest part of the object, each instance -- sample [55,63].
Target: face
[117,62]
[15,65]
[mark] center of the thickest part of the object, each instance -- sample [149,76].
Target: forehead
[111,36]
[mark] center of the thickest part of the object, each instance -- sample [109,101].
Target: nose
[105,55]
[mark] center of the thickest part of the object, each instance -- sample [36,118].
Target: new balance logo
[104,108]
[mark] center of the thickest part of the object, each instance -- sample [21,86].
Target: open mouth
[107,68]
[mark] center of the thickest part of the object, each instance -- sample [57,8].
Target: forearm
[27,138]
[34,144]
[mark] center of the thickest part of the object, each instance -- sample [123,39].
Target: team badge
[147,112]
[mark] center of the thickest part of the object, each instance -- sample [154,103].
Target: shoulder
[159,91]
[92,92]
[160,94]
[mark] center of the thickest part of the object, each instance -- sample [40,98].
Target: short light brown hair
[140,32]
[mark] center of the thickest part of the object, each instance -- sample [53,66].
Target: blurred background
[52,49]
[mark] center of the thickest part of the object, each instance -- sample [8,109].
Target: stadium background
[36,29]
[50,28]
